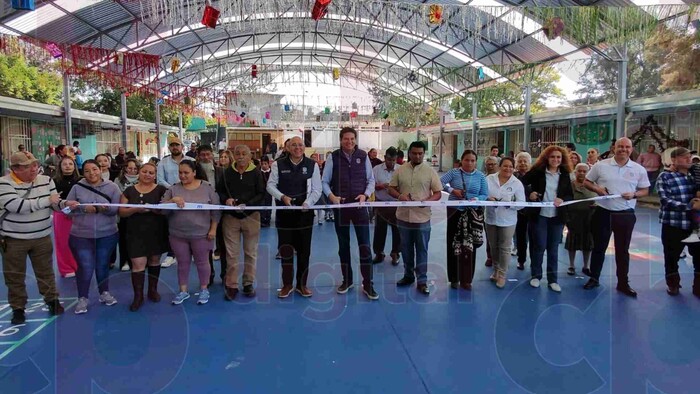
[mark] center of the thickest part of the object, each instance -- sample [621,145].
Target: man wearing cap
[677,194]
[26,199]
[168,175]
[616,175]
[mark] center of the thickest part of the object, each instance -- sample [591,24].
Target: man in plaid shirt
[677,192]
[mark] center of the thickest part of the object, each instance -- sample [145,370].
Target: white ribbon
[378,204]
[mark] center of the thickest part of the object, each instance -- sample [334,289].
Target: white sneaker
[107,298]
[125,268]
[555,287]
[534,282]
[692,238]
[168,262]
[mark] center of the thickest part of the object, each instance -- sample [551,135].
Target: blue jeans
[545,234]
[92,256]
[359,219]
[414,249]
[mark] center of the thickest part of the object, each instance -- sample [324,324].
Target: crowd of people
[77,207]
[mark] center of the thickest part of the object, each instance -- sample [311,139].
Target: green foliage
[402,112]
[21,80]
[508,99]
[88,97]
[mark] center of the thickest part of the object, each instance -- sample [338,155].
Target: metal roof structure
[387,43]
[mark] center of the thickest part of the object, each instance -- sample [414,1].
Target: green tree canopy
[22,80]
[508,99]
[402,112]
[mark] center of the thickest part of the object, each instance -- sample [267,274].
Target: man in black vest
[348,178]
[289,185]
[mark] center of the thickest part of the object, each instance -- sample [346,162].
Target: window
[15,132]
[108,141]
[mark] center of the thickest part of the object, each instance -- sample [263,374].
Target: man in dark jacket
[295,180]
[348,178]
[242,185]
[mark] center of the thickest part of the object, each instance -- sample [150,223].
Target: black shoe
[394,259]
[344,287]
[521,266]
[454,285]
[248,291]
[18,316]
[627,290]
[586,271]
[405,281]
[379,258]
[673,290]
[592,283]
[230,293]
[277,256]
[55,308]
[423,289]
[370,293]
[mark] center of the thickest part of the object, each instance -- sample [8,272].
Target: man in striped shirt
[26,200]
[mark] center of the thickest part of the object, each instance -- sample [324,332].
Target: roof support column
[181,132]
[442,135]
[157,122]
[124,125]
[526,119]
[475,125]
[67,109]
[621,94]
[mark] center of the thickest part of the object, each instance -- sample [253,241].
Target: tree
[677,53]
[26,81]
[508,99]
[599,81]
[89,97]
[402,112]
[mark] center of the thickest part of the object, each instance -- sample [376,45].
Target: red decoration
[210,17]
[553,28]
[254,71]
[353,114]
[320,9]
[54,50]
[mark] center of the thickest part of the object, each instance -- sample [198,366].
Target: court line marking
[34,332]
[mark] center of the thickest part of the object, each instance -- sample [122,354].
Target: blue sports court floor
[514,340]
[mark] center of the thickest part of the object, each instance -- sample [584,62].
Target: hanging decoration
[435,14]
[481,73]
[210,16]
[254,71]
[54,50]
[119,58]
[320,9]
[267,115]
[412,78]
[287,108]
[651,128]
[327,110]
[27,5]
[553,28]
[336,73]
[174,64]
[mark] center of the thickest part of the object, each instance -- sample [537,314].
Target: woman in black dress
[146,235]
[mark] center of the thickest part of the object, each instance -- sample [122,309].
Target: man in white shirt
[386,216]
[616,175]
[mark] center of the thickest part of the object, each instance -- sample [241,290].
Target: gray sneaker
[82,306]
[107,298]
[203,297]
[180,297]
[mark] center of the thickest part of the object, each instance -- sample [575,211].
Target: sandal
[571,271]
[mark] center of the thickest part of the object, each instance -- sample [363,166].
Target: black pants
[221,248]
[671,238]
[605,223]
[521,238]
[294,230]
[266,214]
[358,218]
[386,217]
[459,268]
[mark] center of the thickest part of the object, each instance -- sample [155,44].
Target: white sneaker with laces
[168,262]
[82,306]
[534,282]
[555,287]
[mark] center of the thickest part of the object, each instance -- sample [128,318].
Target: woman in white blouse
[500,221]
